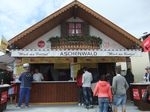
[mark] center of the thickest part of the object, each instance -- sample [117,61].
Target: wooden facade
[47,92]
[35,46]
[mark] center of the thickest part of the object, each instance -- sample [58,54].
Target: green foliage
[87,39]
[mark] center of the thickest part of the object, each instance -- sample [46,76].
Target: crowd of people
[107,93]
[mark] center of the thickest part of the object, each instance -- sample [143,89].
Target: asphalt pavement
[63,108]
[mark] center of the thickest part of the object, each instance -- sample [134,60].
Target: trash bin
[3,96]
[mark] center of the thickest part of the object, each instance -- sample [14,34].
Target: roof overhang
[75,9]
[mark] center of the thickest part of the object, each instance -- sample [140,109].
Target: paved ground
[62,108]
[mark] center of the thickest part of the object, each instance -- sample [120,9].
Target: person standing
[37,76]
[119,88]
[147,74]
[130,79]
[79,84]
[26,80]
[104,93]
[86,84]
[129,76]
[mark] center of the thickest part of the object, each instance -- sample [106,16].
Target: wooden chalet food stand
[54,45]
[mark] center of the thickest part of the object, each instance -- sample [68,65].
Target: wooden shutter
[64,29]
[85,29]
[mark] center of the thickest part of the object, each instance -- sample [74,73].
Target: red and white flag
[146,44]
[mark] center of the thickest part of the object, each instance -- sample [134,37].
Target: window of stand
[74,29]
[53,71]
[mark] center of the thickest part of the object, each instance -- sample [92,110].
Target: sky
[17,15]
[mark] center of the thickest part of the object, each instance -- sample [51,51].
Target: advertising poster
[136,94]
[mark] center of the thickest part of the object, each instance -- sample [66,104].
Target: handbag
[110,108]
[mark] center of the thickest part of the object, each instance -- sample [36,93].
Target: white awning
[75,53]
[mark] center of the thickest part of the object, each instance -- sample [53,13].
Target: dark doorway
[45,69]
[107,69]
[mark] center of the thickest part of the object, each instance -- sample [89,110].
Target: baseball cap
[25,65]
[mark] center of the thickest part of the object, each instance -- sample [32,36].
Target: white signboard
[73,53]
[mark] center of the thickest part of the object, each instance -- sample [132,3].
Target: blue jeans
[120,100]
[88,98]
[24,95]
[103,104]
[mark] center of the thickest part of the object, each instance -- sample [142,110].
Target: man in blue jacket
[26,79]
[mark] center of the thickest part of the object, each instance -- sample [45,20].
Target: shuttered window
[75,29]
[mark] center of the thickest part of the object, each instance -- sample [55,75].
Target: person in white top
[37,76]
[86,84]
[147,74]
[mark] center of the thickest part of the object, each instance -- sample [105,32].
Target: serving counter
[138,90]
[53,92]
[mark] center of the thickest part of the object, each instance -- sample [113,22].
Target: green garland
[88,39]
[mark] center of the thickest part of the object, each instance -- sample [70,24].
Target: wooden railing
[74,45]
[75,42]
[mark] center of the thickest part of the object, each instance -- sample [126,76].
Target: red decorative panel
[4,97]
[136,94]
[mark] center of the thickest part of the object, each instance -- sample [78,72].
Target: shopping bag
[110,108]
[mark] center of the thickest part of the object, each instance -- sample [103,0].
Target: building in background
[140,63]
[64,42]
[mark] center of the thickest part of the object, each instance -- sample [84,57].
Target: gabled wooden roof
[75,9]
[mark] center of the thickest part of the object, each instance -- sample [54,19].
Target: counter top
[49,82]
[4,85]
[141,83]
[53,81]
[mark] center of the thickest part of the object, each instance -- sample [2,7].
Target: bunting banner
[3,44]
[146,44]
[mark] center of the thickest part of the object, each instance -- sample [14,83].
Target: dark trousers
[24,95]
[87,92]
[81,98]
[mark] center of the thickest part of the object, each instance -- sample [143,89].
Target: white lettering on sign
[72,53]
